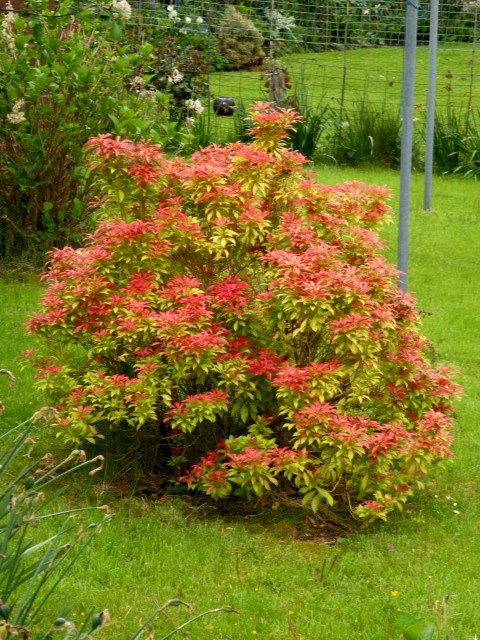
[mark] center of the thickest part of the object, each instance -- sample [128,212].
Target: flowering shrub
[238,319]
[181,59]
[66,76]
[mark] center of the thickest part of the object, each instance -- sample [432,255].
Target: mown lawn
[289,580]
[371,75]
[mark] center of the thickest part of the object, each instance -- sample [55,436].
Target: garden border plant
[32,567]
[236,320]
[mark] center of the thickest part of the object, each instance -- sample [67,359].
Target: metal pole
[432,72]
[407,139]
[271,55]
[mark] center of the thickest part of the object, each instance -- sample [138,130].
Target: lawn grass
[17,299]
[372,75]
[284,578]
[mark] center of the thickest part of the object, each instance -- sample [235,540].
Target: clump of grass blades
[203,131]
[31,568]
[457,143]
[306,135]
[366,135]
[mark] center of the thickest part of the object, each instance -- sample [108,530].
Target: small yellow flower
[254,633]
[290,613]
[394,593]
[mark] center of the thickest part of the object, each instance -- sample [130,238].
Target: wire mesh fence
[344,53]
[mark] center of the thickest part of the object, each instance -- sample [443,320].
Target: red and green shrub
[237,319]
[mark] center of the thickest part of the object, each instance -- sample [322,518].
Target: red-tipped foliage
[238,321]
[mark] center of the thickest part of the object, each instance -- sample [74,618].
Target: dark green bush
[238,40]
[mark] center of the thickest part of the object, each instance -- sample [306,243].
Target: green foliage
[414,628]
[65,75]
[238,40]
[449,135]
[181,58]
[333,23]
[238,319]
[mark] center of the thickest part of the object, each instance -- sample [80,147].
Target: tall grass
[308,134]
[287,575]
[366,134]
[457,143]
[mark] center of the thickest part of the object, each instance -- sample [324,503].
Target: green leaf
[405,620]
[115,31]
[21,41]
[145,49]
[419,631]
[244,413]
[37,30]
[414,628]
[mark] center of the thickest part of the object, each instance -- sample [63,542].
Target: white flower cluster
[174,17]
[123,8]
[17,115]
[471,7]
[148,94]
[172,13]
[6,34]
[189,122]
[198,20]
[194,105]
[137,84]
[174,77]
[280,22]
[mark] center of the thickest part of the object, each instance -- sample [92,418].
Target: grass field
[372,75]
[290,581]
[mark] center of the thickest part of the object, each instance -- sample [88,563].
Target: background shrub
[65,77]
[182,56]
[231,316]
[238,40]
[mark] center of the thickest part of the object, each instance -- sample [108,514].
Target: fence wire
[339,52]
